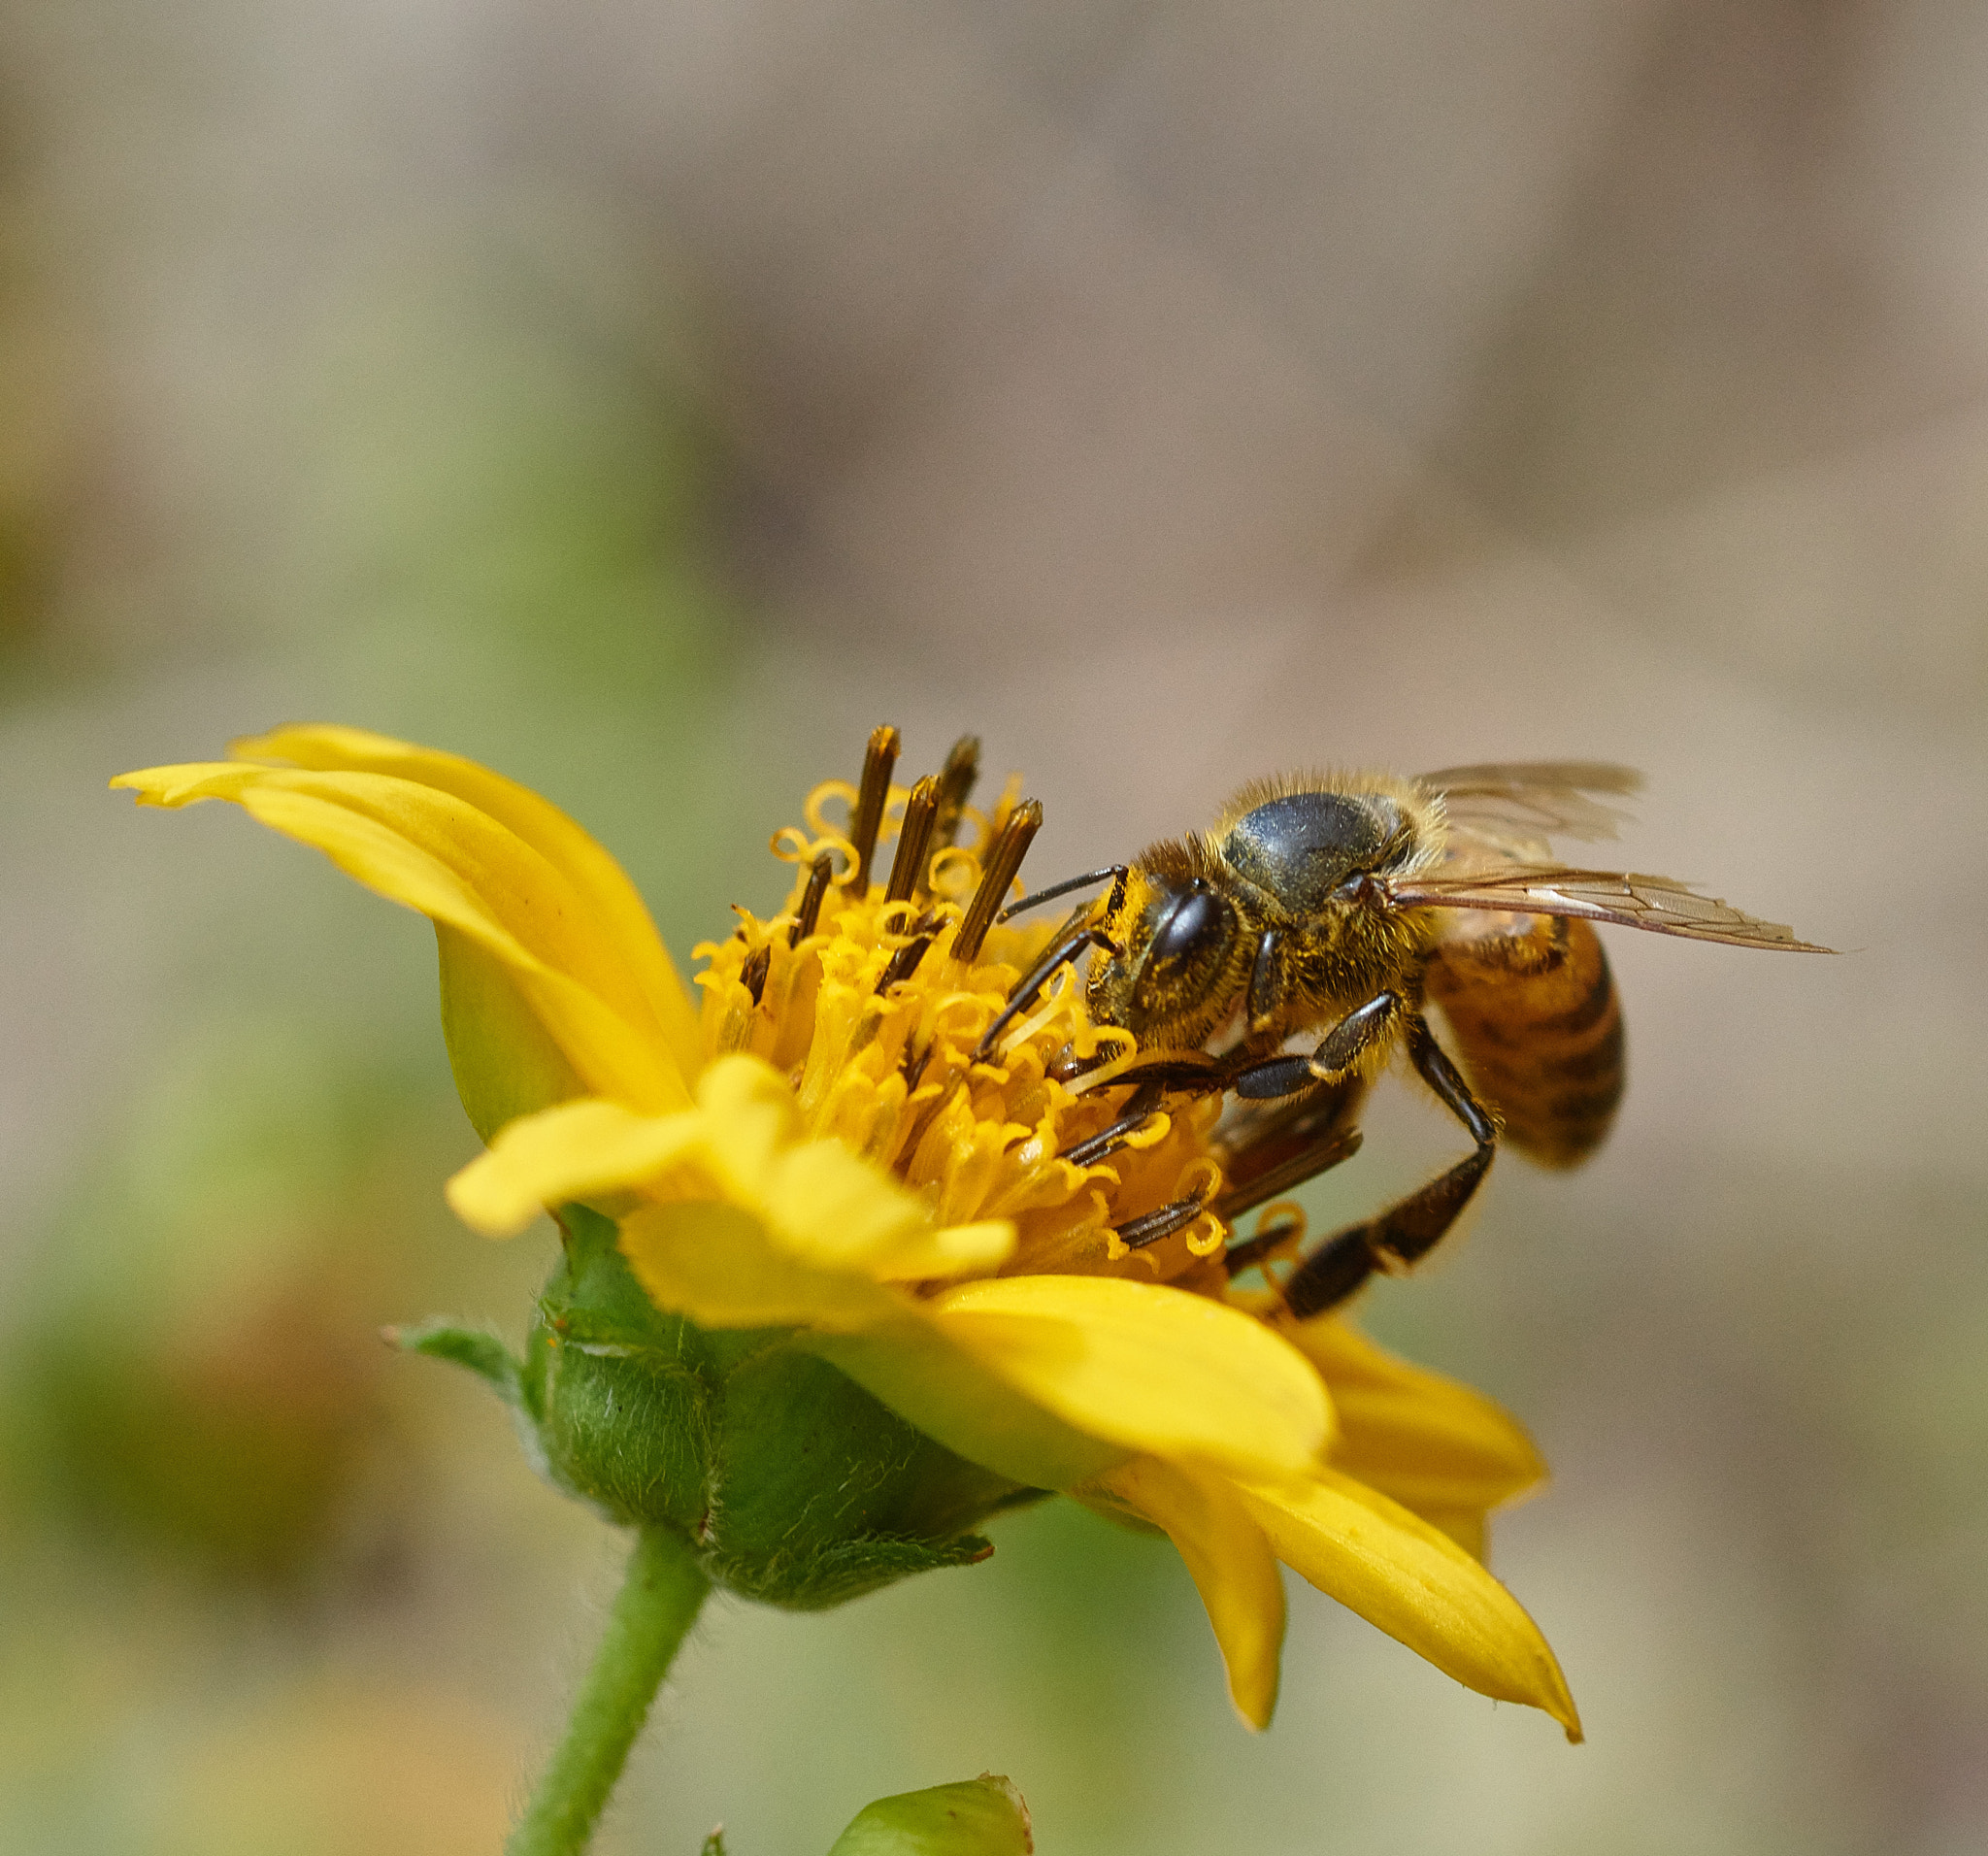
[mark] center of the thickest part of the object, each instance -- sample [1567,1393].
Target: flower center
[924,1035]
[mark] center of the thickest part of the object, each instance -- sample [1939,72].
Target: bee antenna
[1115,871]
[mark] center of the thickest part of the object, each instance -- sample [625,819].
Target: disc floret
[876,1008]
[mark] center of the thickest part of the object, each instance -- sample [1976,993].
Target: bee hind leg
[1407,1230]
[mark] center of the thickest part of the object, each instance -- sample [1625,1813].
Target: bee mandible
[1283,956]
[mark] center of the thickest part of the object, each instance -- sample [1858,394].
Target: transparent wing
[1656,902]
[1511,808]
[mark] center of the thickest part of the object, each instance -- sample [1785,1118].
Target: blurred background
[650,398]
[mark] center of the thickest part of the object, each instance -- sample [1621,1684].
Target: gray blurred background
[648,399]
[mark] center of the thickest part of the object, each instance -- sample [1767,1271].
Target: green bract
[792,1485]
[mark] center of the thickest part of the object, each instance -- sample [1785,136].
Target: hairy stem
[657,1604]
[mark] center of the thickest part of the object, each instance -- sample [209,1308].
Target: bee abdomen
[1538,1027]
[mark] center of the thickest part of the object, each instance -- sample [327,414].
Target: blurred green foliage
[190,1363]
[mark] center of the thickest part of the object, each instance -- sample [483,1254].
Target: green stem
[656,1605]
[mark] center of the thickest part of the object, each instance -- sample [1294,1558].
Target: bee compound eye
[1192,928]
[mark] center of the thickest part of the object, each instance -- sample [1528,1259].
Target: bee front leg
[1405,1232]
[1076,935]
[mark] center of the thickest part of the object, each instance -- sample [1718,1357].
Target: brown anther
[819,872]
[1003,861]
[871,798]
[752,974]
[955,785]
[914,841]
[903,964]
[940,1101]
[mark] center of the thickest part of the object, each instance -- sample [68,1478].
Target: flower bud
[795,1485]
[984,1816]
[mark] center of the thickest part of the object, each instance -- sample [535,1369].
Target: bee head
[1184,949]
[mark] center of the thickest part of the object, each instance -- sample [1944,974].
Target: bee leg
[1107,1142]
[1279,1149]
[1337,1056]
[1136,1233]
[1080,933]
[1405,1232]
[1116,901]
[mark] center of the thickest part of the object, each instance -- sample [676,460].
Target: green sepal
[984,1816]
[714,1843]
[620,1394]
[794,1485]
[482,1352]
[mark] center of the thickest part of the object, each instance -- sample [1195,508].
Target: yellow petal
[577,1150]
[440,855]
[818,1200]
[600,882]
[928,1382]
[505,1062]
[745,1116]
[1417,1584]
[1435,1445]
[749,1110]
[717,1264]
[1155,1370]
[1232,1566]
[832,1209]
[1467,1527]
[953,1251]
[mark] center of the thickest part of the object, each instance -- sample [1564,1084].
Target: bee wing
[1656,902]
[1513,808]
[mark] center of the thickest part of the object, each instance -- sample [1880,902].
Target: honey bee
[1344,904]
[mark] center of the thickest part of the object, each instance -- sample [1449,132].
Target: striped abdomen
[1539,1031]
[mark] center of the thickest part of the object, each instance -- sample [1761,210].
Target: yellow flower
[835,1144]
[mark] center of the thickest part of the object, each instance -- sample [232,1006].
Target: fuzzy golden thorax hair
[1260,927]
